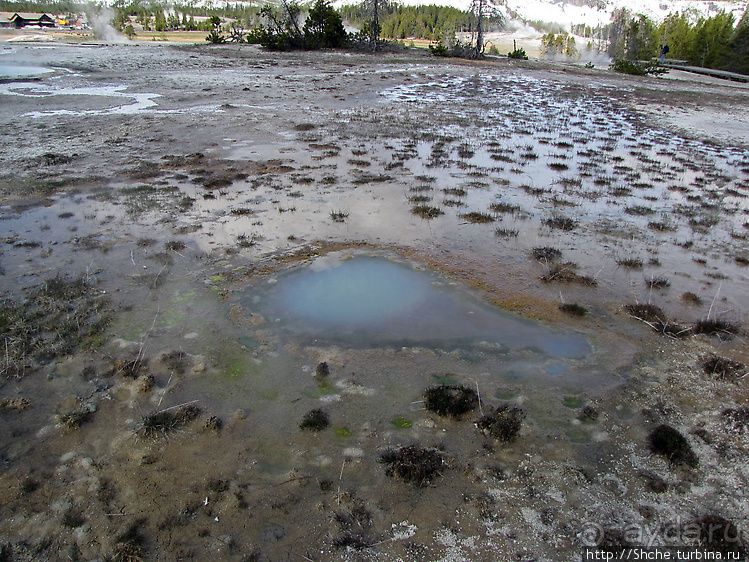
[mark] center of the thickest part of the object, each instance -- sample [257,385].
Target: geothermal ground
[234,282]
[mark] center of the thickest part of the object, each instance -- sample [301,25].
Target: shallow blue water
[12,71]
[357,293]
[373,301]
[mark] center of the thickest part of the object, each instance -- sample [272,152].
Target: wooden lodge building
[18,20]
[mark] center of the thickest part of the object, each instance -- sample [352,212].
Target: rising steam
[100,19]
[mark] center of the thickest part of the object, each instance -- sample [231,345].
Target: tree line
[717,42]
[420,22]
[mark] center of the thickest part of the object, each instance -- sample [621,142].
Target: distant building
[19,20]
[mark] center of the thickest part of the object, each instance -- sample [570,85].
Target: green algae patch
[319,391]
[572,401]
[578,435]
[402,423]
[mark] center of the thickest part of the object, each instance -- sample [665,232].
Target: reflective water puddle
[10,72]
[368,300]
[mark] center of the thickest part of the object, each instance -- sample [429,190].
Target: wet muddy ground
[161,202]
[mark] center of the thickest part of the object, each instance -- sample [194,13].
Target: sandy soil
[179,182]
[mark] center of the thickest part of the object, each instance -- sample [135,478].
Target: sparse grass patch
[535,191]
[574,309]
[213,423]
[339,215]
[350,540]
[504,208]
[567,273]
[476,217]
[657,282]
[501,232]
[546,253]
[703,223]
[427,211]
[363,178]
[646,312]
[426,179]
[465,151]
[691,299]
[455,191]
[53,320]
[620,191]
[639,210]
[158,423]
[722,368]
[661,226]
[246,240]
[654,317]
[631,263]
[560,222]
[557,201]
[17,404]
[161,422]
[175,246]
[74,419]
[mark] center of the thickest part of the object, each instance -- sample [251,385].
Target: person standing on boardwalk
[664,52]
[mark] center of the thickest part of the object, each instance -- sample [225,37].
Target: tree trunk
[375,25]
[479,48]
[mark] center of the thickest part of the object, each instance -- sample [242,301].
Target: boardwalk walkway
[707,71]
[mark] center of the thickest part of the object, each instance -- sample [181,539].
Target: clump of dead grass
[413,464]
[161,422]
[573,309]
[722,368]
[450,400]
[427,211]
[657,319]
[716,327]
[567,273]
[315,420]
[546,253]
[476,217]
[669,442]
[503,424]
[560,222]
